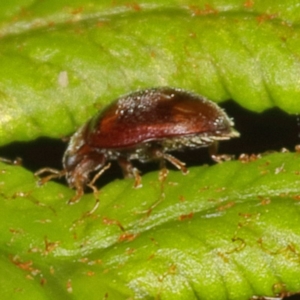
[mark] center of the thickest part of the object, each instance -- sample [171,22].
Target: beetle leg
[222,157]
[176,162]
[129,171]
[15,162]
[156,153]
[95,178]
[91,184]
[79,184]
[53,174]
[78,195]
[213,149]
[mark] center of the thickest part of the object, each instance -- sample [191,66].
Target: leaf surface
[229,231]
[60,63]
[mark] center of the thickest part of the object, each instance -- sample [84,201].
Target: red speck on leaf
[185,217]
[226,206]
[265,17]
[126,236]
[135,6]
[207,10]
[108,221]
[77,11]
[249,4]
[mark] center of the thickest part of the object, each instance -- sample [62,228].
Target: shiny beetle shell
[144,125]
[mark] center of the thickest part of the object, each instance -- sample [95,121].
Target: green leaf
[65,60]
[199,236]
[230,231]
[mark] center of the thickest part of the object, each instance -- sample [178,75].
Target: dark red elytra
[143,125]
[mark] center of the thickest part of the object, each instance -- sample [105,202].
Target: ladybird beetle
[145,125]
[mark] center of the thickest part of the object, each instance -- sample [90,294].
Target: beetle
[144,125]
